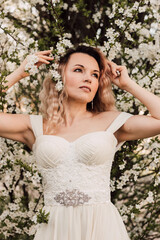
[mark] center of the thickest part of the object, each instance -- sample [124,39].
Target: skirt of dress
[87,222]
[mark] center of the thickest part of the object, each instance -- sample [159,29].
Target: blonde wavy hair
[52,107]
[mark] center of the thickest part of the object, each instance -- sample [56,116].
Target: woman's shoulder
[109,114]
[106,118]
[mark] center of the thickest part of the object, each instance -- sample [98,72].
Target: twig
[37,202]
[11,35]
[59,26]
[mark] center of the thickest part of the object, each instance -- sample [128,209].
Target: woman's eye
[95,75]
[78,70]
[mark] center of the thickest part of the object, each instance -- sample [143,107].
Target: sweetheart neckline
[84,135]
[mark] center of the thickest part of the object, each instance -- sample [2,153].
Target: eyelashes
[80,70]
[96,75]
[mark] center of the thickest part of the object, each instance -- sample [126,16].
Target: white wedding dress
[76,182]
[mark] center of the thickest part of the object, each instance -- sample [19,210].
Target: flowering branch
[56,19]
[7,32]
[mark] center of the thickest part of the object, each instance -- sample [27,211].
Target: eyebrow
[83,67]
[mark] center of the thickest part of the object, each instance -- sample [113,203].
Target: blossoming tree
[128,33]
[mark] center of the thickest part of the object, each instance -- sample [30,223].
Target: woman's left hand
[119,75]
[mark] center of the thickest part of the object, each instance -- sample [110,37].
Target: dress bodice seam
[63,139]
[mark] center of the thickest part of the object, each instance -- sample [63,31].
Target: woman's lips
[85,88]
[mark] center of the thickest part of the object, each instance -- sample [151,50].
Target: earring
[92,104]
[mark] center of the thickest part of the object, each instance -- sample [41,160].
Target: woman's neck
[75,112]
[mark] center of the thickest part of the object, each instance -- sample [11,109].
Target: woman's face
[81,77]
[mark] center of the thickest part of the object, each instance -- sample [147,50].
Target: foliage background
[128,33]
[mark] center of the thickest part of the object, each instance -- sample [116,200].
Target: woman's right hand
[19,73]
[43,58]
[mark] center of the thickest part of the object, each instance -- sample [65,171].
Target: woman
[76,139]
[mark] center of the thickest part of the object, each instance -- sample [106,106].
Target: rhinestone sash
[75,197]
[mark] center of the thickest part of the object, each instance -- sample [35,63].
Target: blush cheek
[71,80]
[71,87]
[69,84]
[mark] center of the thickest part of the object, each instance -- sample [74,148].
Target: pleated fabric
[93,222]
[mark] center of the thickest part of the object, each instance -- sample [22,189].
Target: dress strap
[37,124]
[117,123]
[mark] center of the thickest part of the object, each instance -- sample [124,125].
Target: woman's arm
[151,101]
[137,127]
[17,126]
[20,73]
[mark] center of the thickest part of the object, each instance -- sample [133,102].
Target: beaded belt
[75,198]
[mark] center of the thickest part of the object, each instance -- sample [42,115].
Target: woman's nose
[87,78]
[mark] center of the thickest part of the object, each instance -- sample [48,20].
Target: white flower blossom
[97,17]
[73,8]
[30,67]
[135,6]
[65,6]
[60,49]
[128,36]
[59,86]
[150,197]
[88,26]
[68,35]
[56,76]
[55,66]
[142,9]
[67,43]
[120,10]
[122,166]
[119,23]
[34,219]
[156,2]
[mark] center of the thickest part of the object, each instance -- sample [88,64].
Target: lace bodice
[77,172]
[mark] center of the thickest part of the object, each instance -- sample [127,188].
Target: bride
[76,136]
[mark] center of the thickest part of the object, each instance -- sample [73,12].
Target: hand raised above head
[38,59]
[119,75]
[41,57]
